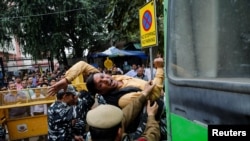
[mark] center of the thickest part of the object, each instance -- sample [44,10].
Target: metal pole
[151,62]
[151,57]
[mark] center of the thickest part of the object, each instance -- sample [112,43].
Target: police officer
[62,116]
[84,103]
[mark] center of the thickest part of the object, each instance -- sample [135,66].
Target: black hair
[60,94]
[44,83]
[98,134]
[52,78]
[91,84]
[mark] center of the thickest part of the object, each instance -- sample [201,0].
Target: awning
[115,52]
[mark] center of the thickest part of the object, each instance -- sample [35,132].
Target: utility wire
[52,13]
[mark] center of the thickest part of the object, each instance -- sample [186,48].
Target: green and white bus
[207,59]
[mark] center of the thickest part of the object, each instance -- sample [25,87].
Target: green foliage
[122,21]
[43,26]
[4,33]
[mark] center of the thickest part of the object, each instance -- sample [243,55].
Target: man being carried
[113,126]
[118,90]
[104,84]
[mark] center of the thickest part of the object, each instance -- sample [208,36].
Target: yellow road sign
[108,63]
[148,25]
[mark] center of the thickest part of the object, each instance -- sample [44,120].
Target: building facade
[15,60]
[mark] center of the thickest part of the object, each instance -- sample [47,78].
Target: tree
[4,34]
[123,20]
[50,26]
[42,26]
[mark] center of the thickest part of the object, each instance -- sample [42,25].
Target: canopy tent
[115,52]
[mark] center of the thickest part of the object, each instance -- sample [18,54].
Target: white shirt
[131,73]
[38,108]
[148,73]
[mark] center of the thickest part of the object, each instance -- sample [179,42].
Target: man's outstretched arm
[80,67]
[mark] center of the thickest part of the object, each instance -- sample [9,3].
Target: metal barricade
[24,125]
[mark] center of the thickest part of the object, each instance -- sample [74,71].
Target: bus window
[210,39]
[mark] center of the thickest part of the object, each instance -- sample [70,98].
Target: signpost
[148,28]
[148,25]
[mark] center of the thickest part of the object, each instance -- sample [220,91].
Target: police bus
[207,56]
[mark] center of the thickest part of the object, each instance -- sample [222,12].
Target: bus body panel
[186,130]
[207,47]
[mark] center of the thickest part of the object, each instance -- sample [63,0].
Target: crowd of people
[117,106]
[141,71]
[24,87]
